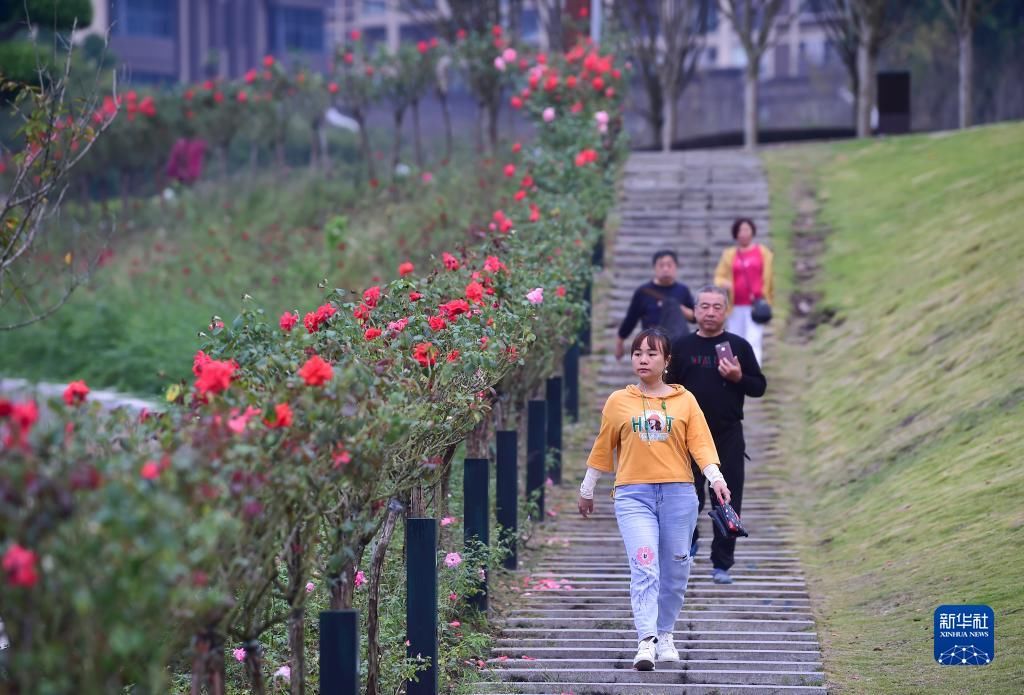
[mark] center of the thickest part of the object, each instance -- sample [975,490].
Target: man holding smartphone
[720,370]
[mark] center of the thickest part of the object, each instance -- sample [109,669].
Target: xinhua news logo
[965,635]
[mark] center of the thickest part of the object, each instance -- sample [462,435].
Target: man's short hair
[658,255]
[712,289]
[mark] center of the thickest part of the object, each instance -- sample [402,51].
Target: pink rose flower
[452,559]
[536,295]
[548,114]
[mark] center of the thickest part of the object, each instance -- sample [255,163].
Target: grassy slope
[908,414]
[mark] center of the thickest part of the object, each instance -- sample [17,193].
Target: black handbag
[727,521]
[761,311]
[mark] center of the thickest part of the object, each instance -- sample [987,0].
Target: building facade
[166,41]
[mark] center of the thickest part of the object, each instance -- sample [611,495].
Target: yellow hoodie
[654,437]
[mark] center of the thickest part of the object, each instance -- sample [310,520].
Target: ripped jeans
[656,522]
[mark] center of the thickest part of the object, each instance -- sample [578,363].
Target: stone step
[795,643]
[626,662]
[688,620]
[628,649]
[592,688]
[666,673]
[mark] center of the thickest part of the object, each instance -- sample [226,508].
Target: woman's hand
[586,507]
[721,489]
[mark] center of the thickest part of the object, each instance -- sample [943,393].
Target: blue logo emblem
[965,635]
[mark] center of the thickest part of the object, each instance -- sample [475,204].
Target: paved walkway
[571,629]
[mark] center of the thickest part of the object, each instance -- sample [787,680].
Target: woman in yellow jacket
[746,271]
[654,428]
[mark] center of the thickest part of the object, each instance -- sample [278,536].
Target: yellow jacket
[723,273]
[653,436]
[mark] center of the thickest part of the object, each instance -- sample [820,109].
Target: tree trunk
[208,664]
[373,602]
[297,645]
[865,72]
[655,110]
[364,142]
[343,586]
[396,152]
[417,504]
[668,127]
[254,667]
[750,104]
[295,559]
[446,117]
[966,69]
[417,139]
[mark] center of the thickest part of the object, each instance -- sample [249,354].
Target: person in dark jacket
[652,301]
[720,370]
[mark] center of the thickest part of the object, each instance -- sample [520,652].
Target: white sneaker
[666,648]
[644,659]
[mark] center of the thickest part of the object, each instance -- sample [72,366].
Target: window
[416,32]
[296,29]
[529,26]
[710,55]
[143,17]
[375,6]
[373,37]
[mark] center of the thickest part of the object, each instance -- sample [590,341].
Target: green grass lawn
[906,413]
[177,264]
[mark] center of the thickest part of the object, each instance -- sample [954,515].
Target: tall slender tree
[754,23]
[964,15]
[666,38]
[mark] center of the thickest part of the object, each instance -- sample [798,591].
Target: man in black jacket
[663,302]
[720,378]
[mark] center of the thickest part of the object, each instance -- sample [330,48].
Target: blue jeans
[656,522]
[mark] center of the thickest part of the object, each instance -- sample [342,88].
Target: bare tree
[551,12]
[841,27]
[57,133]
[666,38]
[754,23]
[870,18]
[965,15]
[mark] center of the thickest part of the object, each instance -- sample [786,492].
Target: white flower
[285,672]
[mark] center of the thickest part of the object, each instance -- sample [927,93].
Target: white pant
[740,323]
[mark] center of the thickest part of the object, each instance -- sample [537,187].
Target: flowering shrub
[274,465]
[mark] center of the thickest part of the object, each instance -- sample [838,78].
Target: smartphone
[724,351]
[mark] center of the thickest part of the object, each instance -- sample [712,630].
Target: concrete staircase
[570,629]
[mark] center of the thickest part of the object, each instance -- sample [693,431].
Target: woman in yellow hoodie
[654,428]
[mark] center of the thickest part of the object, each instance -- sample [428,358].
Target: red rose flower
[20,566]
[454,308]
[372,296]
[415,296]
[361,313]
[560,291]
[516,102]
[371,333]
[453,356]
[450,261]
[332,87]
[493,265]
[534,213]
[510,170]
[150,470]
[425,354]
[422,47]
[268,61]
[570,81]
[516,147]
[475,292]
[316,372]
[355,35]
[406,268]
[288,320]
[215,376]
[437,323]
[520,194]
[283,417]
[76,392]
[460,34]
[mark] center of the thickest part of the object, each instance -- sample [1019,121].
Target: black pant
[731,449]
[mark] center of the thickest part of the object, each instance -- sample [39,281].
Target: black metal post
[554,428]
[421,600]
[476,478]
[536,447]
[507,490]
[571,369]
[339,652]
